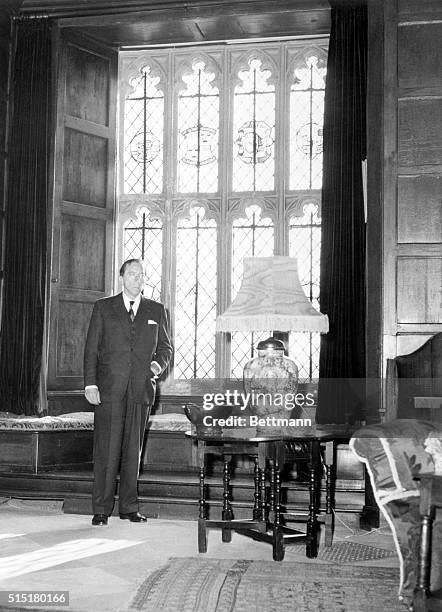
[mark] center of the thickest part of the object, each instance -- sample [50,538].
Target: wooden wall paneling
[81,235]
[420,208]
[72,315]
[84,202]
[419,288]
[85,168]
[87,91]
[419,249]
[419,329]
[420,135]
[420,56]
[419,10]
[413,232]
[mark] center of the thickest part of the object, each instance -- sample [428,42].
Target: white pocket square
[152,322]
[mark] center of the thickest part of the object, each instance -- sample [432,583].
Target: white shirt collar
[136,302]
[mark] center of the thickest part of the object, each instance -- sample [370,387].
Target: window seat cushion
[85,421]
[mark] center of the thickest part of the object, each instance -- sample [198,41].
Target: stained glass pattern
[251,236]
[198,133]
[305,245]
[254,130]
[195,305]
[143,136]
[306,122]
[143,239]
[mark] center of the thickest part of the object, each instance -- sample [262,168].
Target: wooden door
[84,202]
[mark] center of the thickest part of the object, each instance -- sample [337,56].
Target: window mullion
[282,140]
[197,281]
[169,242]
[224,258]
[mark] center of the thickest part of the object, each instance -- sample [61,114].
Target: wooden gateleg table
[268,522]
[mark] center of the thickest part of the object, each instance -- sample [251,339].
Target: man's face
[133,279]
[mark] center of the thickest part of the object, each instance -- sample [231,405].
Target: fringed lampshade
[271,297]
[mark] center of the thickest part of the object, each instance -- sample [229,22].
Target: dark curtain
[342,282]
[26,219]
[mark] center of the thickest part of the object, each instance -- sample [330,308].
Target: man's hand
[92,395]
[155,368]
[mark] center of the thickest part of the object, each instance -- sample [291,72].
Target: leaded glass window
[254,130]
[306,120]
[220,159]
[143,131]
[198,121]
[195,298]
[143,239]
[305,245]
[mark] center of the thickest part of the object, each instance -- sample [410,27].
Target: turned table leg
[259,505]
[202,530]
[227,514]
[329,492]
[275,496]
[256,494]
[262,495]
[312,521]
[272,492]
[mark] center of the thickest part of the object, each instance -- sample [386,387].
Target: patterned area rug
[349,552]
[200,584]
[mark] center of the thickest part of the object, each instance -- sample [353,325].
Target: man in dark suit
[127,348]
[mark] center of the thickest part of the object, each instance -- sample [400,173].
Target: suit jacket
[115,356]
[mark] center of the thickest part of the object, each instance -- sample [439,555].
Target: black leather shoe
[99,519]
[133,517]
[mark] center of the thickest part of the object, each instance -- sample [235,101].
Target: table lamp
[271,298]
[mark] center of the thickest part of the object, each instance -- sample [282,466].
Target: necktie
[131,312]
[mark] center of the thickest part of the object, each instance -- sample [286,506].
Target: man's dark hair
[128,263]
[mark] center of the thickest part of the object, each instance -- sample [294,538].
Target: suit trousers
[118,439]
